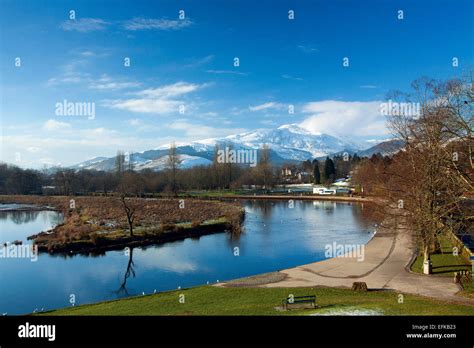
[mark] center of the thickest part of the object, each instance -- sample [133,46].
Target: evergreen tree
[329,169]
[316,173]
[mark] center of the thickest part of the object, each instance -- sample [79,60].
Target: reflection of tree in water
[329,207]
[19,216]
[55,218]
[233,239]
[365,215]
[326,206]
[264,208]
[129,272]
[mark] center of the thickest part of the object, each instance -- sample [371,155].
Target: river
[276,236]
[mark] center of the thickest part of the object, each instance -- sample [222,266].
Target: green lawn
[468,290]
[211,300]
[444,263]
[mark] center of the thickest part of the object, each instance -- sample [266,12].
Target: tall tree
[316,172]
[329,170]
[129,210]
[264,167]
[173,163]
[120,163]
[425,184]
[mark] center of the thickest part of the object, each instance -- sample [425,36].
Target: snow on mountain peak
[289,142]
[294,128]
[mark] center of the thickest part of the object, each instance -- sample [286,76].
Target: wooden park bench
[299,302]
[463,277]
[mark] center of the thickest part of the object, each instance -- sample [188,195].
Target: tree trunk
[426,252]
[426,258]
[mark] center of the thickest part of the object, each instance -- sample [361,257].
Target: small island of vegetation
[98,224]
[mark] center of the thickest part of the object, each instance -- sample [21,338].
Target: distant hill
[288,144]
[385,148]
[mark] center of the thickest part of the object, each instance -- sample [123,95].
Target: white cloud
[52,125]
[290,77]
[141,23]
[168,91]
[98,52]
[70,145]
[135,122]
[230,72]
[307,48]
[340,117]
[198,62]
[266,106]
[165,257]
[87,53]
[105,82]
[33,149]
[156,100]
[70,74]
[195,131]
[157,106]
[84,25]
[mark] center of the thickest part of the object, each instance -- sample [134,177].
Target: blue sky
[189,62]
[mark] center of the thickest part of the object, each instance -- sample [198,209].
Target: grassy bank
[444,262]
[210,300]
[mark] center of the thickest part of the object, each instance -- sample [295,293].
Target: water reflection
[19,217]
[264,208]
[20,224]
[130,271]
[276,236]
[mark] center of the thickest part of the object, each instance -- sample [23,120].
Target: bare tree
[120,163]
[129,212]
[264,168]
[428,178]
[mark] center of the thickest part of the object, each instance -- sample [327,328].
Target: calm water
[276,237]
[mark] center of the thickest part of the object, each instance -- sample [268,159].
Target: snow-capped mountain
[89,163]
[187,161]
[288,143]
[293,142]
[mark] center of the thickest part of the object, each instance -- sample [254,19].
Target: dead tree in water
[129,211]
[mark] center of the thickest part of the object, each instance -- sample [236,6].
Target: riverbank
[383,268]
[98,224]
[386,266]
[210,300]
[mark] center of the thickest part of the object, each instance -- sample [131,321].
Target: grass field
[444,263]
[210,300]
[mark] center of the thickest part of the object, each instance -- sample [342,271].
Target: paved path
[387,257]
